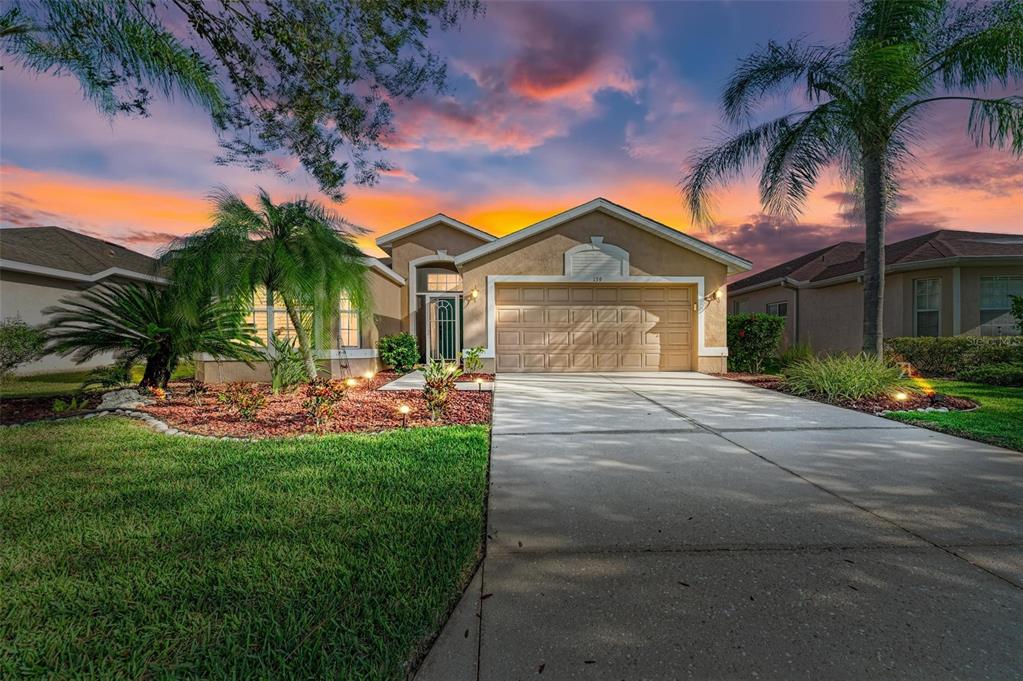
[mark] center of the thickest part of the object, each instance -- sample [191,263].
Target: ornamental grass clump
[844,377]
[440,378]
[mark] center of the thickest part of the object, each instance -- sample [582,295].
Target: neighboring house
[41,265]
[595,288]
[945,283]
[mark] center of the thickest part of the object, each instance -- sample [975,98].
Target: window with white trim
[996,305]
[269,314]
[443,281]
[347,324]
[927,307]
[778,309]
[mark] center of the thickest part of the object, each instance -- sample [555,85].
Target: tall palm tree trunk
[874,201]
[303,339]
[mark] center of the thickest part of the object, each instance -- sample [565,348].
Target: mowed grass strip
[128,554]
[999,420]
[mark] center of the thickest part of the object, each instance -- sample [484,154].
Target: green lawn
[127,554]
[998,421]
[66,382]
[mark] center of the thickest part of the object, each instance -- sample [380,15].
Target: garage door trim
[494,279]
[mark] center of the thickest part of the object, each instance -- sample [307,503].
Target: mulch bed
[363,409]
[22,409]
[869,405]
[466,378]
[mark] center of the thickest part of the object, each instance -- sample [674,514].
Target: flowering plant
[321,399]
[157,392]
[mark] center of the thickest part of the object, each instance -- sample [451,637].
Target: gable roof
[433,220]
[846,258]
[65,254]
[734,262]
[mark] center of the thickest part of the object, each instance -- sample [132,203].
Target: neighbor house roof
[433,220]
[845,259]
[65,254]
[734,262]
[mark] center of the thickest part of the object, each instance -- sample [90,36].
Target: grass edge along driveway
[998,421]
[130,554]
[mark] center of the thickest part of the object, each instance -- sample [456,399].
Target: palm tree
[303,254]
[864,100]
[143,322]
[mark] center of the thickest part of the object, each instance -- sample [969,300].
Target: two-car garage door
[554,328]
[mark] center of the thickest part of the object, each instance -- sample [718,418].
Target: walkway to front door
[677,525]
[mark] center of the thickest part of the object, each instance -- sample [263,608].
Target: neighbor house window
[927,306]
[735,307]
[348,324]
[778,309]
[996,303]
[443,281]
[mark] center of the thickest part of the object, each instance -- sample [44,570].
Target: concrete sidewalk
[665,526]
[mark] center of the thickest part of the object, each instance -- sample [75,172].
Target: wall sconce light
[474,293]
[716,295]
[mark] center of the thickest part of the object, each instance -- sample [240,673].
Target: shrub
[471,360]
[197,391]
[73,404]
[245,398]
[948,355]
[109,377]
[795,353]
[321,399]
[19,343]
[287,367]
[400,351]
[848,377]
[995,374]
[440,381]
[753,339]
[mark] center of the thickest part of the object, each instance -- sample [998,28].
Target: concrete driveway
[667,526]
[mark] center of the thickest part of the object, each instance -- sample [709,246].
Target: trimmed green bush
[19,343]
[753,339]
[995,374]
[839,377]
[949,355]
[400,351]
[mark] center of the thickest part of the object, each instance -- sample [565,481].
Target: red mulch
[22,409]
[870,405]
[466,378]
[363,409]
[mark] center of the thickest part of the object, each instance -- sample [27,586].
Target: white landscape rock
[121,399]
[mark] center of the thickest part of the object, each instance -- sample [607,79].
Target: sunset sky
[549,105]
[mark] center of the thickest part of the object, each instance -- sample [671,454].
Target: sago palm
[143,322]
[865,99]
[303,254]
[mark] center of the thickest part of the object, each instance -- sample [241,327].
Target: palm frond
[980,44]
[998,123]
[778,66]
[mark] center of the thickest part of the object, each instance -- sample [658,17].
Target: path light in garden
[351,382]
[479,385]
[901,396]
[369,375]
[404,410]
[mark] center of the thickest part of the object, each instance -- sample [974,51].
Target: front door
[444,324]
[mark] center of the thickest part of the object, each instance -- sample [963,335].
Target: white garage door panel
[594,328]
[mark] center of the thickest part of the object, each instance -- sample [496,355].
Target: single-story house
[945,283]
[598,287]
[41,265]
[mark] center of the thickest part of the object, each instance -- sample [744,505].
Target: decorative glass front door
[444,339]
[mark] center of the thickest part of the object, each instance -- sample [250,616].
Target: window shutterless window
[927,307]
[996,305]
[778,309]
[443,281]
[269,314]
[348,324]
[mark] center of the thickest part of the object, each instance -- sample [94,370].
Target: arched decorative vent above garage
[596,260]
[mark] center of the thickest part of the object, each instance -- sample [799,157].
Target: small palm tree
[139,322]
[303,254]
[865,97]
